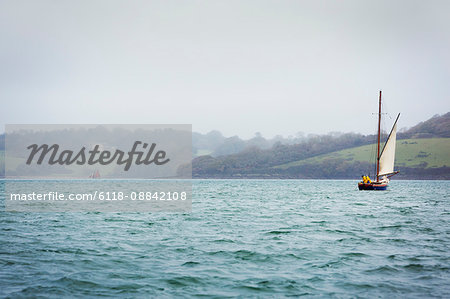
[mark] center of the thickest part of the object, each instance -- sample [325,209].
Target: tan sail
[387,156]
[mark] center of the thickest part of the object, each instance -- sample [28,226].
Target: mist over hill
[215,144]
[262,158]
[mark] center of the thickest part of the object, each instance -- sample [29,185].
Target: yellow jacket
[366,179]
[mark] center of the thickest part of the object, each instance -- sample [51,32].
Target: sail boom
[389,174]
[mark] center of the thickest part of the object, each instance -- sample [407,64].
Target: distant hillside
[255,161]
[437,126]
[215,144]
[423,153]
[415,158]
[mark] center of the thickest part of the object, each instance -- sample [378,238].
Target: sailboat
[385,158]
[95,175]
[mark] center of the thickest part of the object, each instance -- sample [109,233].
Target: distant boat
[384,160]
[95,175]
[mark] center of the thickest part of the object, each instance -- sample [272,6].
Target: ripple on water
[249,238]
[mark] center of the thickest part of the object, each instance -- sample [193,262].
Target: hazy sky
[275,67]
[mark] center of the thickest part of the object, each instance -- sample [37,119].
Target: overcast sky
[275,67]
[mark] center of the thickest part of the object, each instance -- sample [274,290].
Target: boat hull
[372,186]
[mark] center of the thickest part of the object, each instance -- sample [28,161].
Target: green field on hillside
[414,153]
[427,153]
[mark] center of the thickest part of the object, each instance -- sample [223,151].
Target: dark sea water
[249,238]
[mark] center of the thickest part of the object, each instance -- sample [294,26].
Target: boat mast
[378,145]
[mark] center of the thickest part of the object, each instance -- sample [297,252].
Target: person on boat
[366,179]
